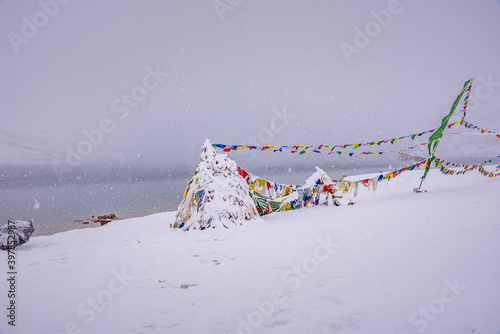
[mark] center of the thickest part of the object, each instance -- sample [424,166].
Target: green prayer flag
[436,135]
[275,206]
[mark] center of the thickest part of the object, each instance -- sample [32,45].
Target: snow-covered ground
[397,262]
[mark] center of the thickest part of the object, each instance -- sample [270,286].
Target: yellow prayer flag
[424,165]
[287,190]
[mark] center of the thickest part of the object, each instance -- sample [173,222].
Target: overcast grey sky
[300,69]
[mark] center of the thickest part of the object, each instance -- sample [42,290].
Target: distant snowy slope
[20,149]
[468,146]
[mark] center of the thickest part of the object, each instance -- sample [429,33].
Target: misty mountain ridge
[23,149]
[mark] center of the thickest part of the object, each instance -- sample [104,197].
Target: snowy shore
[397,262]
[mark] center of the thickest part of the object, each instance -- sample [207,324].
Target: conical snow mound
[216,196]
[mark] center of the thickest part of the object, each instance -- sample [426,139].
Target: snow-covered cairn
[327,187]
[272,197]
[216,195]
